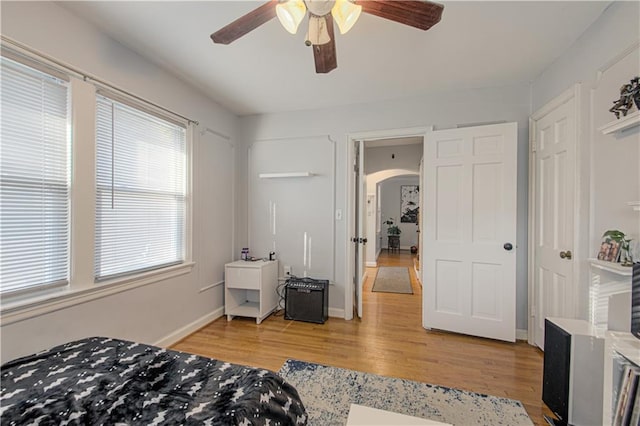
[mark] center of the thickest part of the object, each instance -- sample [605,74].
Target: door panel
[470,187]
[486,202]
[448,203]
[447,284]
[485,305]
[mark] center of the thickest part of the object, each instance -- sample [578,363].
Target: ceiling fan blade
[325,54]
[415,13]
[245,23]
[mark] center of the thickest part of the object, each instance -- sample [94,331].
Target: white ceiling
[476,44]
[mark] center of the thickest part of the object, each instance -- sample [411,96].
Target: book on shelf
[627,396]
[635,412]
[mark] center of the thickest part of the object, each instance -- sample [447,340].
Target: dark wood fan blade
[415,13]
[245,23]
[325,54]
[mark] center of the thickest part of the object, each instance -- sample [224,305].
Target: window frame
[145,109]
[40,70]
[82,286]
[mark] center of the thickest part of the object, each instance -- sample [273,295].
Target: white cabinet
[573,372]
[250,289]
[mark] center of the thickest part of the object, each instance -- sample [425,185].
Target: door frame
[572,92]
[350,201]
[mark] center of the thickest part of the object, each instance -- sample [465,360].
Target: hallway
[383,304]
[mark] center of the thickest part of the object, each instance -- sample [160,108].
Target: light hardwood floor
[388,341]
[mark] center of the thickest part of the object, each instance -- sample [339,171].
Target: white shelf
[627,345]
[623,123]
[612,267]
[635,205]
[247,309]
[284,175]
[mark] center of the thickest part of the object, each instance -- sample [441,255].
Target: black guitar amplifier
[307,299]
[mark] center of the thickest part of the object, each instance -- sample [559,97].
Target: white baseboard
[183,332]
[336,313]
[371,264]
[522,334]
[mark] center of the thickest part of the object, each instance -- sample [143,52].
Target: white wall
[609,175]
[281,218]
[439,109]
[405,157]
[390,197]
[159,311]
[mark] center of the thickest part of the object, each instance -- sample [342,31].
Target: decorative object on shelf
[615,247]
[629,94]
[609,250]
[409,197]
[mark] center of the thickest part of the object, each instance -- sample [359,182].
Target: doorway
[363,198]
[469,272]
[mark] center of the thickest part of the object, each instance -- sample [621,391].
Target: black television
[635,300]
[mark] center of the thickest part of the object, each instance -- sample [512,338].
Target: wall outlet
[287,270]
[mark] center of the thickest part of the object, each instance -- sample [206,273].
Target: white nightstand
[250,289]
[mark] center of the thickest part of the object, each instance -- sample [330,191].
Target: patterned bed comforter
[106,381]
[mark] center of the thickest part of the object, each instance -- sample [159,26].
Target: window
[140,190]
[34,179]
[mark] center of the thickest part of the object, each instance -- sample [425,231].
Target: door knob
[507,246]
[565,254]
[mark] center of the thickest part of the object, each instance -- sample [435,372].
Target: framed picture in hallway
[409,197]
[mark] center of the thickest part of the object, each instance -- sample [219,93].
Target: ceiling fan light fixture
[346,13]
[290,13]
[318,33]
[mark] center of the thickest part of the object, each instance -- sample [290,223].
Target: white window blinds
[140,183]
[34,179]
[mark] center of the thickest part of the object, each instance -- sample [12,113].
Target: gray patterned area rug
[327,392]
[392,279]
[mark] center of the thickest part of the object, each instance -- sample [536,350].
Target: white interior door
[421,224]
[553,152]
[360,226]
[363,231]
[470,231]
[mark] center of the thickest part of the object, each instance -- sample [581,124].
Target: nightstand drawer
[243,278]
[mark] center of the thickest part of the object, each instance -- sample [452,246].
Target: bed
[100,380]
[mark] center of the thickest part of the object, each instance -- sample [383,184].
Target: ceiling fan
[420,14]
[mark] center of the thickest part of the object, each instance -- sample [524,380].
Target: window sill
[38,305]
